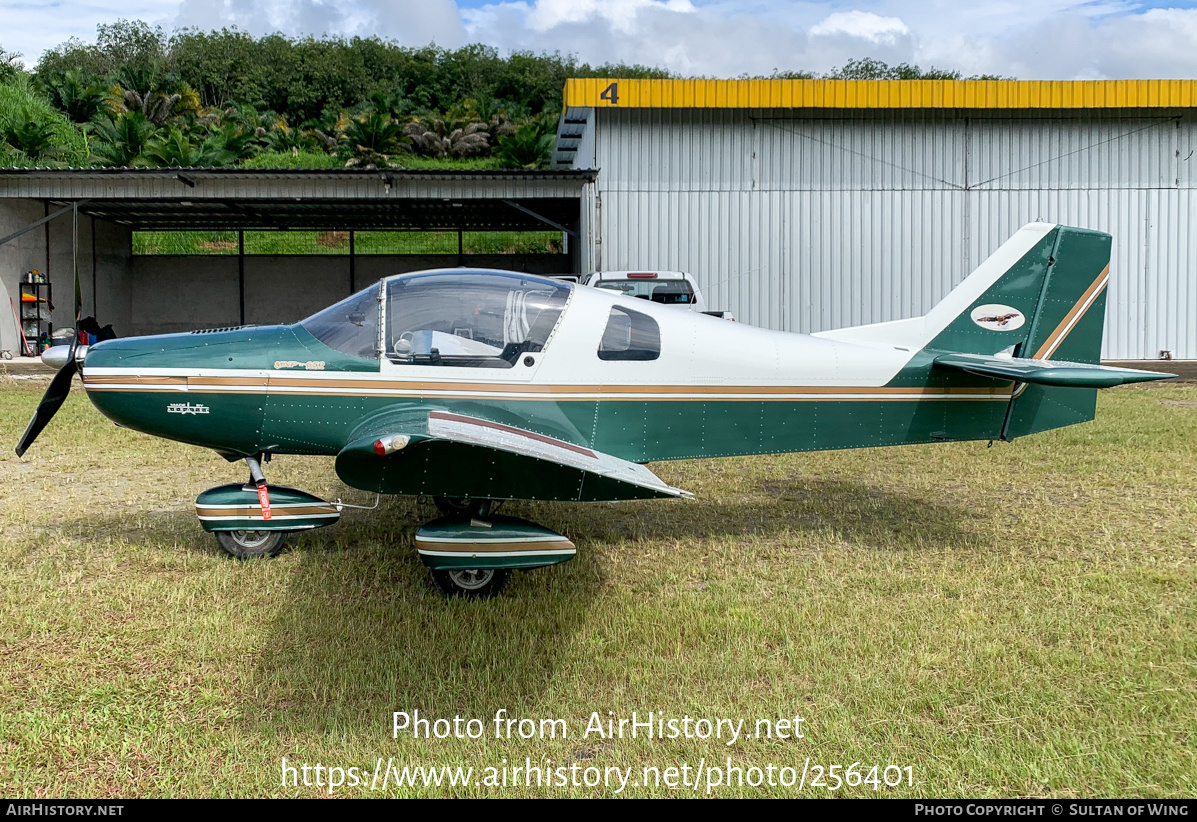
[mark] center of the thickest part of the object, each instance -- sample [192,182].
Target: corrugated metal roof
[350,198]
[237,198]
[958,94]
[268,174]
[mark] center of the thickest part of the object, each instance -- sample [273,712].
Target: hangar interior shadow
[362,632]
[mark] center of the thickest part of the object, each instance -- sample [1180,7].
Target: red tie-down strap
[264,501]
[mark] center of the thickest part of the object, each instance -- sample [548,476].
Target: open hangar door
[183,249]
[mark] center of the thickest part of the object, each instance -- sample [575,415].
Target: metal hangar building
[797,204]
[807,205]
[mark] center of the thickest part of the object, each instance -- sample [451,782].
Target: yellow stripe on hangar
[613,92]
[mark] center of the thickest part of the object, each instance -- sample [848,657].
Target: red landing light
[379,448]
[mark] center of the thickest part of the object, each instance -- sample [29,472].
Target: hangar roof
[957,94]
[234,198]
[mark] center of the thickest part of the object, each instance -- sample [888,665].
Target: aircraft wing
[455,455]
[1046,372]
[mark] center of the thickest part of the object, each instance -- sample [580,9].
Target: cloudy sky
[1051,39]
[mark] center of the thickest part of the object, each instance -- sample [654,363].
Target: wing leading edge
[455,455]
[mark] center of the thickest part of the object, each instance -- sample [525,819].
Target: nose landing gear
[254,519]
[251,544]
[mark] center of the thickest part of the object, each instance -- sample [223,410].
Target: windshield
[464,318]
[350,326]
[669,292]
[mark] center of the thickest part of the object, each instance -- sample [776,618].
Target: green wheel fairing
[236,507]
[498,542]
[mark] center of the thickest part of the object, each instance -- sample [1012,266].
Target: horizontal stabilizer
[1046,372]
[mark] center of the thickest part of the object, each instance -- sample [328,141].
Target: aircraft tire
[251,544]
[480,584]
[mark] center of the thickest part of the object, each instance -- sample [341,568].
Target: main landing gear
[469,550]
[472,551]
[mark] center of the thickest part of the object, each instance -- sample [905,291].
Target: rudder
[1068,326]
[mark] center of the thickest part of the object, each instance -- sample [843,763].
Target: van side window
[630,335]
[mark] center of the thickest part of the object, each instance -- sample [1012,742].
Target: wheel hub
[472,579]
[250,539]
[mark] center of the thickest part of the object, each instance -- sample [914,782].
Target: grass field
[224,243]
[1013,621]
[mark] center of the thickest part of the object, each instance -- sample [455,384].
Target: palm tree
[530,146]
[372,138]
[159,99]
[10,65]
[122,140]
[30,136]
[282,139]
[177,149]
[72,94]
[447,137]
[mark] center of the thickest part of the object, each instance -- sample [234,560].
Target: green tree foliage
[122,45]
[72,94]
[122,140]
[141,96]
[867,68]
[530,146]
[32,132]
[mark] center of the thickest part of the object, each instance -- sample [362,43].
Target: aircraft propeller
[60,386]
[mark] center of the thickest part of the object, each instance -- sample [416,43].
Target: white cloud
[862,24]
[410,23]
[1032,39]
[620,15]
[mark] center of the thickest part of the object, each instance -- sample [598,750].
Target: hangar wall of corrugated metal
[807,221]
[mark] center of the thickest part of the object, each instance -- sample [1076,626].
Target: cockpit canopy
[451,317]
[470,318]
[350,326]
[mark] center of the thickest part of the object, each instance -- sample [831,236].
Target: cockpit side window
[630,335]
[470,319]
[350,326]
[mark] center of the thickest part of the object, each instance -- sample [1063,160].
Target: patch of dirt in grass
[1180,403]
[333,239]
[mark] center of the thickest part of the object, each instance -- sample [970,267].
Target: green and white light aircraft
[477,386]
